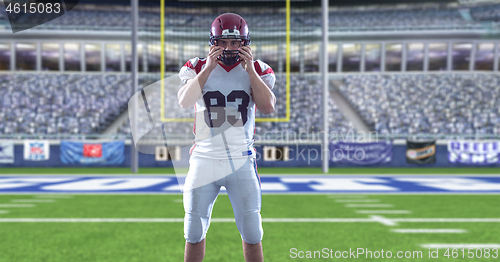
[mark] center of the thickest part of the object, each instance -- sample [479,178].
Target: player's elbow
[185,104]
[267,109]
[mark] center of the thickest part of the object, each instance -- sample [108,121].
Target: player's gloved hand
[246,55]
[213,54]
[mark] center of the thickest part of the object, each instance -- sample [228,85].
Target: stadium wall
[299,155]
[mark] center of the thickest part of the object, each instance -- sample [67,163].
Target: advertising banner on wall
[88,153]
[420,153]
[36,150]
[361,153]
[6,152]
[478,153]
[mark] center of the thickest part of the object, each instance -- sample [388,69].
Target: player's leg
[198,204]
[243,189]
[253,252]
[194,252]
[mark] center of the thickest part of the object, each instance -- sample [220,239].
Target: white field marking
[180,220]
[429,230]
[315,220]
[347,196]
[357,200]
[17,205]
[171,193]
[369,205]
[383,220]
[4,211]
[376,219]
[33,200]
[53,196]
[460,245]
[383,211]
[178,200]
[447,220]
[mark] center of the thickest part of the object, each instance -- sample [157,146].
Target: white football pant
[243,189]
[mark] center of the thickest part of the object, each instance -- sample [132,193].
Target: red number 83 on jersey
[215,102]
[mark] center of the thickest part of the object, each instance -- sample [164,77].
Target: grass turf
[164,241]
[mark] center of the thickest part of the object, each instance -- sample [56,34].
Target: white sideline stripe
[357,200]
[53,196]
[430,230]
[17,205]
[173,220]
[178,220]
[178,200]
[378,219]
[369,205]
[33,200]
[383,220]
[346,196]
[460,245]
[383,211]
[4,211]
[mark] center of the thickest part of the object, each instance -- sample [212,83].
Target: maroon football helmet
[229,26]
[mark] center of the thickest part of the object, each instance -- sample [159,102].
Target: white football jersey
[225,113]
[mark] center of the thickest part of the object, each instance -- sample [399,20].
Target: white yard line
[178,200]
[384,221]
[33,200]
[383,211]
[178,220]
[447,220]
[357,200]
[372,219]
[4,211]
[316,220]
[429,230]
[460,245]
[369,205]
[17,205]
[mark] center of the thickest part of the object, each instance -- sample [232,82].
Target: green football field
[358,227]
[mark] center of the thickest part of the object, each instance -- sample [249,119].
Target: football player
[225,89]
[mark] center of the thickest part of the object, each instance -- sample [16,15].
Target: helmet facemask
[230,57]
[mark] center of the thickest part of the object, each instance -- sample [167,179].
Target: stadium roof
[218,3]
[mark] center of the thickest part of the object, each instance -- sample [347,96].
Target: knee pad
[195,227]
[251,227]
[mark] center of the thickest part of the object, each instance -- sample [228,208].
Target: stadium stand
[399,19]
[377,18]
[486,13]
[426,103]
[305,108]
[86,104]
[389,104]
[305,111]
[61,103]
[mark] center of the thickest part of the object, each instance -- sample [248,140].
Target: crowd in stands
[305,111]
[426,103]
[87,104]
[486,13]
[395,104]
[399,19]
[61,103]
